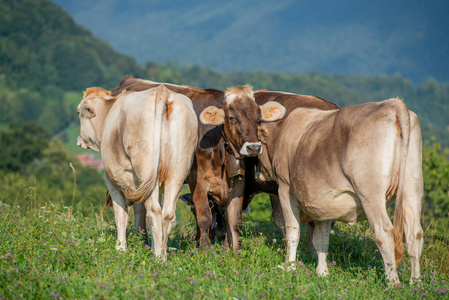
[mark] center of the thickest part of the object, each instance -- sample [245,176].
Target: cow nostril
[254,148]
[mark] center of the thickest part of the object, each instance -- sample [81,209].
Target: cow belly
[342,206]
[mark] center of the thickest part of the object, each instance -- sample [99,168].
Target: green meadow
[56,241]
[64,252]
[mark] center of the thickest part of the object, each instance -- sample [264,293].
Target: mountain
[347,37]
[41,45]
[44,54]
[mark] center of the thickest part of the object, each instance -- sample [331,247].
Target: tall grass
[46,252]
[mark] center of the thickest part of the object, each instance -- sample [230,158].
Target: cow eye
[88,112]
[231,119]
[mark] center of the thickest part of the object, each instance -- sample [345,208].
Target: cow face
[240,117]
[92,112]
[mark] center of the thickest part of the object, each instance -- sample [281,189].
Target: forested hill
[41,45]
[44,55]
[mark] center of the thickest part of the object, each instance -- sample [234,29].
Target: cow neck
[226,145]
[102,122]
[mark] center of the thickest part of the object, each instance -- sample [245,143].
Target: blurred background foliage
[46,61]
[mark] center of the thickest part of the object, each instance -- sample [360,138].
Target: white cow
[147,140]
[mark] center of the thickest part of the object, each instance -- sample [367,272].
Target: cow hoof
[322,272]
[291,267]
[120,247]
[392,280]
[414,280]
[287,266]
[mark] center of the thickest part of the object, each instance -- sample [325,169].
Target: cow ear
[272,111]
[87,111]
[212,116]
[109,98]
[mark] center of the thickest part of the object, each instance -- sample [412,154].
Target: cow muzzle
[251,149]
[80,143]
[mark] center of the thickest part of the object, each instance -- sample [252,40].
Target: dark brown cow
[226,133]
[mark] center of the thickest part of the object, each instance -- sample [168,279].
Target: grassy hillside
[54,251]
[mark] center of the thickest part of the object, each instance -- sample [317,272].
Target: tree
[21,144]
[436,181]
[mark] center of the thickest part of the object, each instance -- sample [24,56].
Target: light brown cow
[147,140]
[348,165]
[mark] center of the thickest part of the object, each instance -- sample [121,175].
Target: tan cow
[348,165]
[147,140]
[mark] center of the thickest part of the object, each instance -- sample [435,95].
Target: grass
[55,252]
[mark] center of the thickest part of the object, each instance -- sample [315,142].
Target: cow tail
[403,127]
[147,184]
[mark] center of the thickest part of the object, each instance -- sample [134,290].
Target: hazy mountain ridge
[383,37]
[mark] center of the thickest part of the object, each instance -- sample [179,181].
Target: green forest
[46,61]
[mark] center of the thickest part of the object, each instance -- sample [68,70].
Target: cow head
[240,116]
[92,112]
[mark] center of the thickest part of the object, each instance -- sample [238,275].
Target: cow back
[293,101]
[209,136]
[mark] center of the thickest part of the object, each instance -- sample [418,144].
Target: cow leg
[139,217]
[383,231]
[203,216]
[120,214]
[321,242]
[291,212]
[172,192]
[154,219]
[412,199]
[278,217]
[413,238]
[310,229]
[233,214]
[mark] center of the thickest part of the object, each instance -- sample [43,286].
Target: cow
[254,181]
[348,165]
[225,137]
[147,140]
